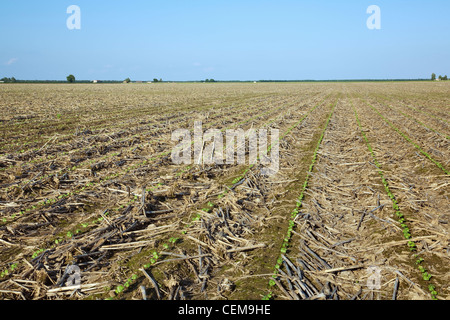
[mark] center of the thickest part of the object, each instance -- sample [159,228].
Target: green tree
[445,77]
[8,80]
[71,78]
[433,76]
[155,80]
[440,78]
[127,80]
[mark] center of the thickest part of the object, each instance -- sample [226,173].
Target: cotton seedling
[286,240]
[403,222]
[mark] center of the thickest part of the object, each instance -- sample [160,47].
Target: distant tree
[8,80]
[440,77]
[160,80]
[445,77]
[210,80]
[155,80]
[71,78]
[127,80]
[433,76]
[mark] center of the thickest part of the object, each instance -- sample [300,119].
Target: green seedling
[267,297]
[426,276]
[433,291]
[7,272]
[37,253]
[119,289]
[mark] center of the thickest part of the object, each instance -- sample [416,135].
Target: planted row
[295,212]
[426,154]
[400,217]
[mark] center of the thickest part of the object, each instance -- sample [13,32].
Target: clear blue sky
[224,39]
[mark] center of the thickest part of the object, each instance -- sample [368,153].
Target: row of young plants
[400,216]
[427,113]
[418,121]
[102,127]
[58,240]
[407,138]
[209,207]
[47,157]
[86,163]
[63,140]
[89,185]
[155,256]
[294,213]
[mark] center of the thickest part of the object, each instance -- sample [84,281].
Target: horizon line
[214,80]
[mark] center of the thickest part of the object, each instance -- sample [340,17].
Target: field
[358,210]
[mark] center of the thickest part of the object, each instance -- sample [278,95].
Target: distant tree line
[9,80]
[433,77]
[128,80]
[71,79]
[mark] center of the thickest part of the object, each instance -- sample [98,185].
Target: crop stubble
[197,233]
